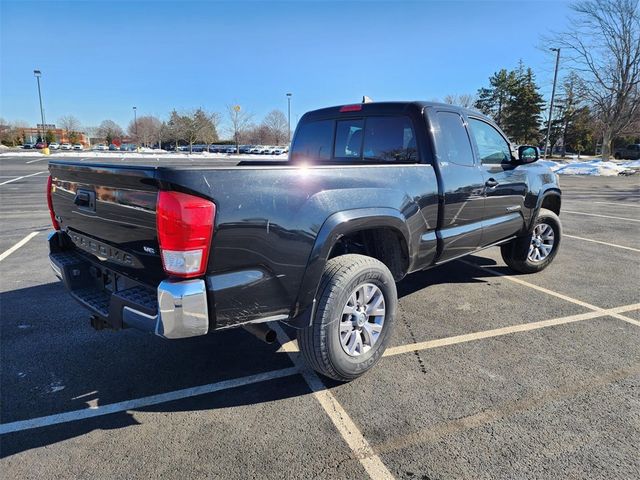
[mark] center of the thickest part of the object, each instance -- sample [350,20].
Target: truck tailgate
[109,212]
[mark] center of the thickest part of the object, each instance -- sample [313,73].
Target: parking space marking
[602,243]
[338,415]
[37,160]
[550,292]
[326,399]
[523,327]
[20,178]
[619,204]
[8,252]
[143,402]
[602,216]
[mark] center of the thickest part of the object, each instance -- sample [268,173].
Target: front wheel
[353,320]
[535,251]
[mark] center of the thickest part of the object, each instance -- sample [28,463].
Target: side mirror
[528,154]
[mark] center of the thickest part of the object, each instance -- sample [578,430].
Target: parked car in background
[246,148]
[630,152]
[256,149]
[29,146]
[54,146]
[78,146]
[268,150]
[279,150]
[41,145]
[66,146]
[230,149]
[101,147]
[113,147]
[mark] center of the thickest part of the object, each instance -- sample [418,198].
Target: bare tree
[277,126]
[238,122]
[12,133]
[148,128]
[465,100]
[603,46]
[109,130]
[69,124]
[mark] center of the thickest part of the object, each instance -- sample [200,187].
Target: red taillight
[50,187]
[351,108]
[185,228]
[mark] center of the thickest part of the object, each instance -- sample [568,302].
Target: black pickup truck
[370,193]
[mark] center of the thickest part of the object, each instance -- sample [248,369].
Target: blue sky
[101,58]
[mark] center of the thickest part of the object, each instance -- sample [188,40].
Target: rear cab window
[368,139]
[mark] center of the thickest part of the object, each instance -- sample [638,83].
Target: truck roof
[382,108]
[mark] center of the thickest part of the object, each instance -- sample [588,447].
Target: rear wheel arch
[384,229]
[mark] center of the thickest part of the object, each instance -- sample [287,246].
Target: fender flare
[336,226]
[550,191]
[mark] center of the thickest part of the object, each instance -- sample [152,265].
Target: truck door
[462,186]
[505,184]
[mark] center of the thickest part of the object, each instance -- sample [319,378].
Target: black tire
[515,253]
[320,342]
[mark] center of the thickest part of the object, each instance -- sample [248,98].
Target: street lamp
[38,74]
[553,94]
[289,116]
[135,123]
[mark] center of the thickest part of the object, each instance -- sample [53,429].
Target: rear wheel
[535,251]
[353,319]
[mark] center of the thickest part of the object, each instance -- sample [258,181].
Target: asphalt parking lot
[490,374]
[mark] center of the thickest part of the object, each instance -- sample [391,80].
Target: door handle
[491,183]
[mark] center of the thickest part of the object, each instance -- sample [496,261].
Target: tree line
[200,126]
[181,128]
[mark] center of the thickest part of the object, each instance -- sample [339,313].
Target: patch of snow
[30,153]
[549,163]
[631,164]
[592,168]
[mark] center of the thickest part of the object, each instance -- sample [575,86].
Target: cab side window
[492,146]
[452,141]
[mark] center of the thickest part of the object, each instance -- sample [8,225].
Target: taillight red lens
[351,108]
[55,223]
[185,227]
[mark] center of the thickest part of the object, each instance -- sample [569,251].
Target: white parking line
[602,216]
[602,243]
[620,204]
[550,292]
[37,160]
[523,327]
[8,252]
[325,397]
[338,415]
[137,403]
[20,178]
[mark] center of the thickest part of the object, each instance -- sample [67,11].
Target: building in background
[31,134]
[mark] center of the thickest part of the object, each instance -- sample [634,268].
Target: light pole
[38,74]
[289,117]
[553,94]
[135,124]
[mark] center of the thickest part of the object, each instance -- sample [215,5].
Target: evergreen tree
[522,118]
[494,100]
[514,102]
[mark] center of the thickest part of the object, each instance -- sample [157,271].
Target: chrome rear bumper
[176,309]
